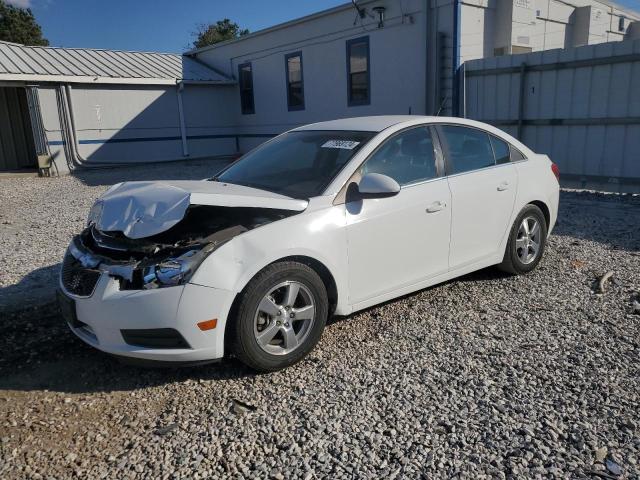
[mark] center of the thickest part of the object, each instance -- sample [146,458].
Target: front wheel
[280,316]
[526,243]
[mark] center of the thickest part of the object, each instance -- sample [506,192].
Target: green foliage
[217,32]
[18,25]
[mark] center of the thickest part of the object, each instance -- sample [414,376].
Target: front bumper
[102,317]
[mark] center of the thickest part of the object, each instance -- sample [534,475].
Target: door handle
[436,207]
[503,186]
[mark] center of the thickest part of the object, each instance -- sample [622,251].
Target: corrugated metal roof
[85,65]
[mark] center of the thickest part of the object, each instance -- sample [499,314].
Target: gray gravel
[487,376]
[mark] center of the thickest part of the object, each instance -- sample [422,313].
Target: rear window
[467,149]
[516,155]
[500,150]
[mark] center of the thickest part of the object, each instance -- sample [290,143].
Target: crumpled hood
[143,209]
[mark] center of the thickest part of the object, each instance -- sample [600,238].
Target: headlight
[95,213]
[172,272]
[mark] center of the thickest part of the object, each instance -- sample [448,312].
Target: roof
[340,8]
[85,65]
[279,26]
[382,122]
[363,124]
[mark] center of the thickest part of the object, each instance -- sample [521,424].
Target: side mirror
[376,185]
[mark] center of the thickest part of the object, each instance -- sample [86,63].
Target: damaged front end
[165,259]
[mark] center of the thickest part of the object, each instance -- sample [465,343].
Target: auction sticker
[344,144]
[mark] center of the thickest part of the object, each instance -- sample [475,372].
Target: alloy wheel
[528,240]
[284,318]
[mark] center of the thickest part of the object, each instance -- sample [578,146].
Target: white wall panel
[397,66]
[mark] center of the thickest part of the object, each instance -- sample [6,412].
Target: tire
[265,308]
[516,260]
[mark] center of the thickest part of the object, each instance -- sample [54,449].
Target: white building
[403,54]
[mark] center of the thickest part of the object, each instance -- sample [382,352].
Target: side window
[295,86]
[358,86]
[408,157]
[467,149]
[516,155]
[500,150]
[245,80]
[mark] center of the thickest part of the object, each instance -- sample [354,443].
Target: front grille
[155,338]
[76,279]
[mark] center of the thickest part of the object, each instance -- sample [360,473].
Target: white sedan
[326,219]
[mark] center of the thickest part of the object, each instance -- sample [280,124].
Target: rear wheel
[526,243]
[280,317]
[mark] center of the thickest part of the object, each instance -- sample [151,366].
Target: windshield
[297,164]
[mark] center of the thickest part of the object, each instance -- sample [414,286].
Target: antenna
[361,11]
[442,105]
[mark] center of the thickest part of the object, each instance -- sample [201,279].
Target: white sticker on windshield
[344,144]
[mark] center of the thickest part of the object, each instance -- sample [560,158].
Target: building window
[621,24]
[245,79]
[358,81]
[295,81]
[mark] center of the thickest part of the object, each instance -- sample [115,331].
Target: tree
[18,25]
[217,32]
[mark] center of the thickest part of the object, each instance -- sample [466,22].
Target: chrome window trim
[441,162]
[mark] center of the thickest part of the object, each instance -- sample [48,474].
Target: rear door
[483,190]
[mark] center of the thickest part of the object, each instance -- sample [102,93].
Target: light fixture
[380,11]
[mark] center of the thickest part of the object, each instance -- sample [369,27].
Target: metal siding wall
[107,116]
[113,122]
[17,150]
[591,154]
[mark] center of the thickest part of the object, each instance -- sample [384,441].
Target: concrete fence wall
[580,106]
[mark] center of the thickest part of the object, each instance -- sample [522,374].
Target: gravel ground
[487,376]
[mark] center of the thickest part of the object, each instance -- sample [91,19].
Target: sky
[162,25]
[155,25]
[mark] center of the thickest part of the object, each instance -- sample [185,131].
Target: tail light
[556,171]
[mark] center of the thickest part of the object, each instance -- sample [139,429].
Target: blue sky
[162,25]
[155,25]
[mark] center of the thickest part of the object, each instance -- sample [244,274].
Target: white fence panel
[580,106]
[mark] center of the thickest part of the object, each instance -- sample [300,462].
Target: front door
[399,241]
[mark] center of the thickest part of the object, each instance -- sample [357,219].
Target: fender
[318,234]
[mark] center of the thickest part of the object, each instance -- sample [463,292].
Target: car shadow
[40,353]
[37,287]
[484,275]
